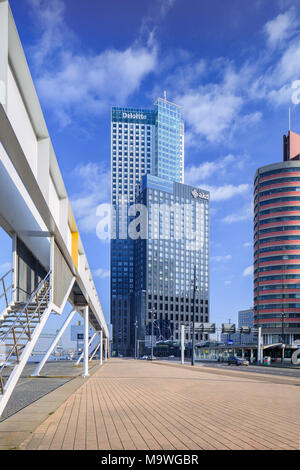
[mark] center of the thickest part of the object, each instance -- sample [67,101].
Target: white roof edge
[22,74]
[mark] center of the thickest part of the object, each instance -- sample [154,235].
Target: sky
[231,65]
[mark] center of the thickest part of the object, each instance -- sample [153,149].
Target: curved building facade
[277,251]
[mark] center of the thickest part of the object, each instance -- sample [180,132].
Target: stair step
[22,319]
[23,315]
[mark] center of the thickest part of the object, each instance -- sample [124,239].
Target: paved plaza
[131,404]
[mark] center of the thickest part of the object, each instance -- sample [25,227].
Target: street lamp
[135,338]
[282,337]
[152,322]
[195,288]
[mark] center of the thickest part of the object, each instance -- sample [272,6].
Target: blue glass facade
[169,153]
[132,154]
[177,228]
[143,141]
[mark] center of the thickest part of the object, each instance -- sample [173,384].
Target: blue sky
[229,63]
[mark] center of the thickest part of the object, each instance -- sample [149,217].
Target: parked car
[238,361]
[171,357]
[145,357]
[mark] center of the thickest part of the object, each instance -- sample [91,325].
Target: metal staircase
[20,326]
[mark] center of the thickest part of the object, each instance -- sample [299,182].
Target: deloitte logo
[197,194]
[134,116]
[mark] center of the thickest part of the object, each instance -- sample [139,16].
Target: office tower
[142,141]
[169,141]
[277,246]
[176,238]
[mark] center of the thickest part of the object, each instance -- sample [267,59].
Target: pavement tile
[139,405]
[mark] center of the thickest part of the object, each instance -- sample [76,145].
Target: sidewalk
[142,405]
[22,424]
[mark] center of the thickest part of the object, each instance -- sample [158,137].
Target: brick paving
[131,404]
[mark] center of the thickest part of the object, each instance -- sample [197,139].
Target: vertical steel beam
[101,348]
[86,342]
[105,352]
[182,344]
[259,350]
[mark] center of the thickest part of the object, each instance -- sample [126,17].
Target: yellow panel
[75,248]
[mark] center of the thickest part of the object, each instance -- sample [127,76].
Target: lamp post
[194,314]
[152,322]
[135,338]
[282,337]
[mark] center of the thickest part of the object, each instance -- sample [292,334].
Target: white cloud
[227,283]
[93,183]
[225,192]
[194,174]
[165,6]
[74,83]
[102,273]
[53,31]
[246,213]
[248,271]
[247,244]
[210,111]
[220,259]
[214,107]
[90,84]
[281,27]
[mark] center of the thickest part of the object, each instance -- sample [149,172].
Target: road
[283,371]
[275,370]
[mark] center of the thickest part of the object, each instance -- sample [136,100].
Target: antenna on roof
[165,95]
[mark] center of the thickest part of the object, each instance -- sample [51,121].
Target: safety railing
[28,314]
[4,289]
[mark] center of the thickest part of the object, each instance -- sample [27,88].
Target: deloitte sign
[134,116]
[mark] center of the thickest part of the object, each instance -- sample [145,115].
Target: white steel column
[86,342]
[259,351]
[53,344]
[105,351]
[101,348]
[14,296]
[182,344]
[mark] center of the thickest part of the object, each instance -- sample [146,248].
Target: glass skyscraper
[142,141]
[176,226]
[169,141]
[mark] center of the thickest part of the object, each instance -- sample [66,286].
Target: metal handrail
[14,349]
[18,289]
[6,289]
[34,294]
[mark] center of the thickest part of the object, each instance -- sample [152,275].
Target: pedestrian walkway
[131,404]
